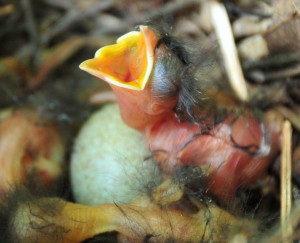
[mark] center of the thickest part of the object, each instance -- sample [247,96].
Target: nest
[45,100]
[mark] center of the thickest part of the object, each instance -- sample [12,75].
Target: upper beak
[128,63]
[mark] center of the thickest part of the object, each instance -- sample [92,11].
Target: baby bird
[186,117]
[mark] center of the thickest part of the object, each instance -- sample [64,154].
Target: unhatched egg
[109,162]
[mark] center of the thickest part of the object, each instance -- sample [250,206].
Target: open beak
[128,63]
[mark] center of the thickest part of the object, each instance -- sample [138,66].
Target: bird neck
[140,110]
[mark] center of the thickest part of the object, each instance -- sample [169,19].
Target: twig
[261,77]
[169,8]
[6,10]
[232,65]
[73,16]
[266,95]
[31,26]
[12,24]
[32,30]
[274,60]
[165,10]
[285,73]
[60,54]
[234,8]
[59,3]
[55,57]
[289,114]
[296,7]
[286,180]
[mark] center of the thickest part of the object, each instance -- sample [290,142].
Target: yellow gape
[128,63]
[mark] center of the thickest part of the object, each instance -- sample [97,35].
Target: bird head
[135,67]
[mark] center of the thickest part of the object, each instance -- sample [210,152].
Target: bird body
[177,111]
[235,151]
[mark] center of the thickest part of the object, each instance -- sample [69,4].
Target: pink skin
[175,143]
[139,109]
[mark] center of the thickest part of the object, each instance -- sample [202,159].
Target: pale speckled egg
[109,161]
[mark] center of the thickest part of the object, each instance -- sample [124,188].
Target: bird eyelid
[175,46]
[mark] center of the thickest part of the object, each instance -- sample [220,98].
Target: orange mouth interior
[128,63]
